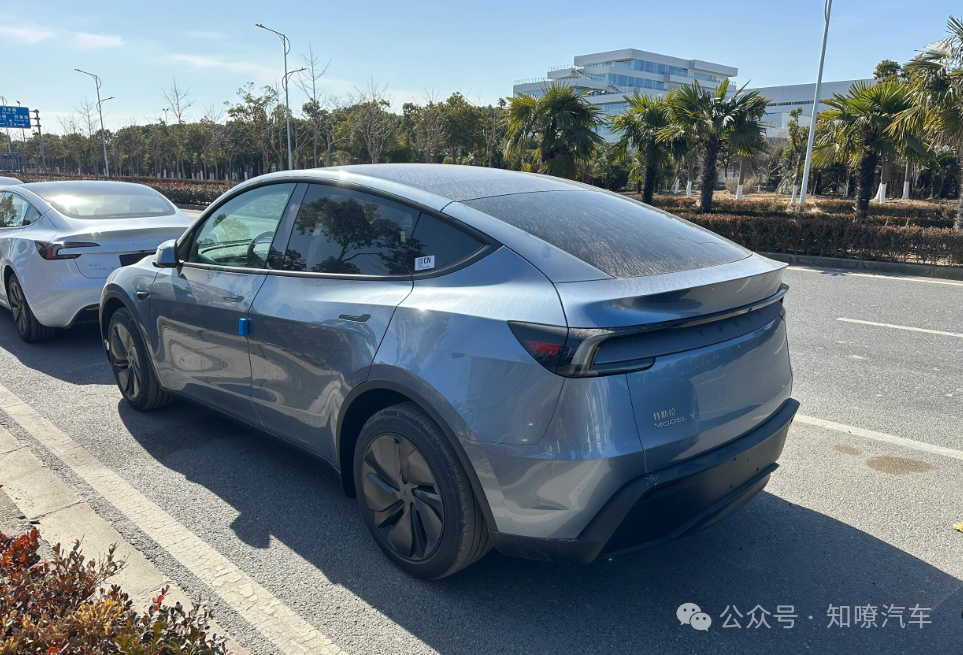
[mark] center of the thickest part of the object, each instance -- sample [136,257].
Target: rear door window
[348,232]
[616,235]
[436,245]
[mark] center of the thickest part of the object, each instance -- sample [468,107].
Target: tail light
[581,352]
[571,352]
[51,251]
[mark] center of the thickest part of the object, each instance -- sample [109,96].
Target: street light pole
[812,124]
[103,135]
[286,44]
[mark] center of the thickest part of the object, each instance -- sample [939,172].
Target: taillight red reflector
[543,347]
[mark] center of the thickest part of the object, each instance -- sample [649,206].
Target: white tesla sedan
[60,240]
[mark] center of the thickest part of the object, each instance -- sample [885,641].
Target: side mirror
[166,255]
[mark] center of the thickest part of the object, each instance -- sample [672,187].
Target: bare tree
[430,126]
[214,145]
[178,99]
[307,81]
[491,129]
[88,122]
[371,119]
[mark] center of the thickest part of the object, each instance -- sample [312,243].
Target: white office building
[783,99]
[608,77]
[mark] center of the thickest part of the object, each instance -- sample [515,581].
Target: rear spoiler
[632,302]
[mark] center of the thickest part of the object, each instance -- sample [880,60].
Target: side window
[240,232]
[436,245]
[15,211]
[344,231]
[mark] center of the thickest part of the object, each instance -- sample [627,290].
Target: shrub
[61,607]
[918,213]
[833,238]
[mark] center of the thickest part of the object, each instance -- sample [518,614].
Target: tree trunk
[708,177]
[958,221]
[648,185]
[864,185]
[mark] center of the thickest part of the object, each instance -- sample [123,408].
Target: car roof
[434,185]
[458,183]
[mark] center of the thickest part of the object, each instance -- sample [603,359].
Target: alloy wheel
[18,306]
[402,495]
[124,359]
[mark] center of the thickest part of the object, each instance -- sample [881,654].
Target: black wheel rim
[124,359]
[402,497]
[18,306]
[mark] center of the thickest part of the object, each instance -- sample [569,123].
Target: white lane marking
[44,498]
[925,280]
[881,436]
[902,327]
[278,623]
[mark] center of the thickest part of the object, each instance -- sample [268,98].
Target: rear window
[79,200]
[616,235]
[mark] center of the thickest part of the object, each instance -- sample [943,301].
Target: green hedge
[832,238]
[183,192]
[918,213]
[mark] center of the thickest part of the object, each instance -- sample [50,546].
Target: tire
[131,364]
[31,330]
[428,487]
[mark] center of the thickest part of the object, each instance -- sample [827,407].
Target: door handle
[233,298]
[357,319]
[142,294]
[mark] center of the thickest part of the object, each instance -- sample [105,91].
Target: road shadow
[770,553]
[75,355]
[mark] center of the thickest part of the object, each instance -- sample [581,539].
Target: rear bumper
[59,295]
[670,503]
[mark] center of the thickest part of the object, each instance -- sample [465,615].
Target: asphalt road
[847,520]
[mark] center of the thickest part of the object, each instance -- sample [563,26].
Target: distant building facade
[783,99]
[609,77]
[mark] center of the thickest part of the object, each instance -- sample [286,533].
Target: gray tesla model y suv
[488,358]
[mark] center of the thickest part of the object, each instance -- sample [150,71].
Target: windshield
[103,199]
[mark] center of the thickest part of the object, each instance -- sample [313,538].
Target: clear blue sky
[416,47]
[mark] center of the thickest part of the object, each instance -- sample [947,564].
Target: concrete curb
[866,265]
[62,517]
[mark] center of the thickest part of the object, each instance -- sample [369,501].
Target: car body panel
[452,333]
[693,401]
[312,339]
[196,345]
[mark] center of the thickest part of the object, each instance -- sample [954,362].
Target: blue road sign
[15,117]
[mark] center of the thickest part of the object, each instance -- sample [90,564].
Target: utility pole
[812,125]
[286,44]
[23,137]
[103,135]
[43,160]
[3,102]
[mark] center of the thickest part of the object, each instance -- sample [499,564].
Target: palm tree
[936,79]
[857,129]
[639,126]
[712,121]
[556,130]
